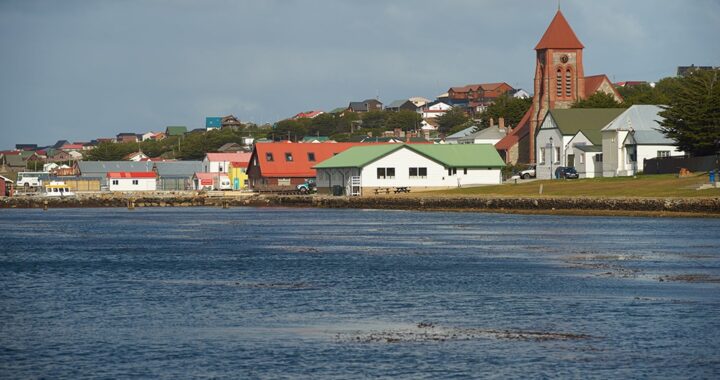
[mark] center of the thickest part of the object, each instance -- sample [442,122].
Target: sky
[79,70]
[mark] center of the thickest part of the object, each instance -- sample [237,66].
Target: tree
[323,125]
[598,100]
[109,151]
[374,119]
[288,129]
[451,119]
[508,107]
[405,120]
[692,117]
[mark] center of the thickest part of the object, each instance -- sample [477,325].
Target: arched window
[558,82]
[568,82]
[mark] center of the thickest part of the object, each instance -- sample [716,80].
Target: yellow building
[237,172]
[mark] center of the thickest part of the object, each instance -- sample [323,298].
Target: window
[385,173]
[311,156]
[268,157]
[418,172]
[283,181]
[557,154]
[452,171]
[558,82]
[135,182]
[542,156]
[465,171]
[663,153]
[116,182]
[598,157]
[568,83]
[288,157]
[582,158]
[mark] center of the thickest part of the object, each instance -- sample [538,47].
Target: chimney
[492,122]
[501,123]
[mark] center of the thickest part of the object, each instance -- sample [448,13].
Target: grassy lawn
[663,185]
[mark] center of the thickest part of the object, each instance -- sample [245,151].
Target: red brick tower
[559,76]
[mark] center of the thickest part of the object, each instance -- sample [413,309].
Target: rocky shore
[543,205]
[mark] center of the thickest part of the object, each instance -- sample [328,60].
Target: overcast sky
[79,70]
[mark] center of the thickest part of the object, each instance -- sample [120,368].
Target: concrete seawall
[700,206]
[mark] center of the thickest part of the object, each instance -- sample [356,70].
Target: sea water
[314,293]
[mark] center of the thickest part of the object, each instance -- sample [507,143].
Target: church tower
[559,76]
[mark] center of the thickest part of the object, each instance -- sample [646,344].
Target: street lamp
[551,157]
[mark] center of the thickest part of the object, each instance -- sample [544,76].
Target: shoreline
[584,206]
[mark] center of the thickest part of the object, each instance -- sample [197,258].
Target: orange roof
[593,83]
[131,175]
[230,157]
[559,35]
[476,87]
[300,166]
[520,131]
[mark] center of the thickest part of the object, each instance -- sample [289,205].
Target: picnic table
[379,190]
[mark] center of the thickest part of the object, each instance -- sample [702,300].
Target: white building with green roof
[361,170]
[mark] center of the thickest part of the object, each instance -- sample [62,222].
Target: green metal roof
[450,155]
[588,120]
[358,156]
[461,155]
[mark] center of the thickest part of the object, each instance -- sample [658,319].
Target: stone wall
[589,205]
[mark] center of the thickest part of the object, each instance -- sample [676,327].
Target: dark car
[566,172]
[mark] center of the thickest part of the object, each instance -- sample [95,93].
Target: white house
[220,162]
[136,156]
[489,135]
[132,181]
[558,136]
[362,169]
[435,110]
[632,138]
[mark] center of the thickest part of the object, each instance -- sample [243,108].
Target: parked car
[528,173]
[566,172]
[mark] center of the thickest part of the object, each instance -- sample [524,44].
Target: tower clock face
[564,58]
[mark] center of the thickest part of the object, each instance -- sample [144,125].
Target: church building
[560,81]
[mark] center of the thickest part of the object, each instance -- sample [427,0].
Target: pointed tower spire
[559,35]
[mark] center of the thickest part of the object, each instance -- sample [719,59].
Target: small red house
[278,166]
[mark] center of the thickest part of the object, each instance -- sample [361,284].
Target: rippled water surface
[309,293]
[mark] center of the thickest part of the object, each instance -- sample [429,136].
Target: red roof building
[150,174]
[286,165]
[308,115]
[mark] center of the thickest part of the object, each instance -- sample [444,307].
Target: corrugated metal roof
[464,155]
[588,120]
[178,169]
[493,132]
[644,120]
[100,168]
[467,155]
[359,156]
